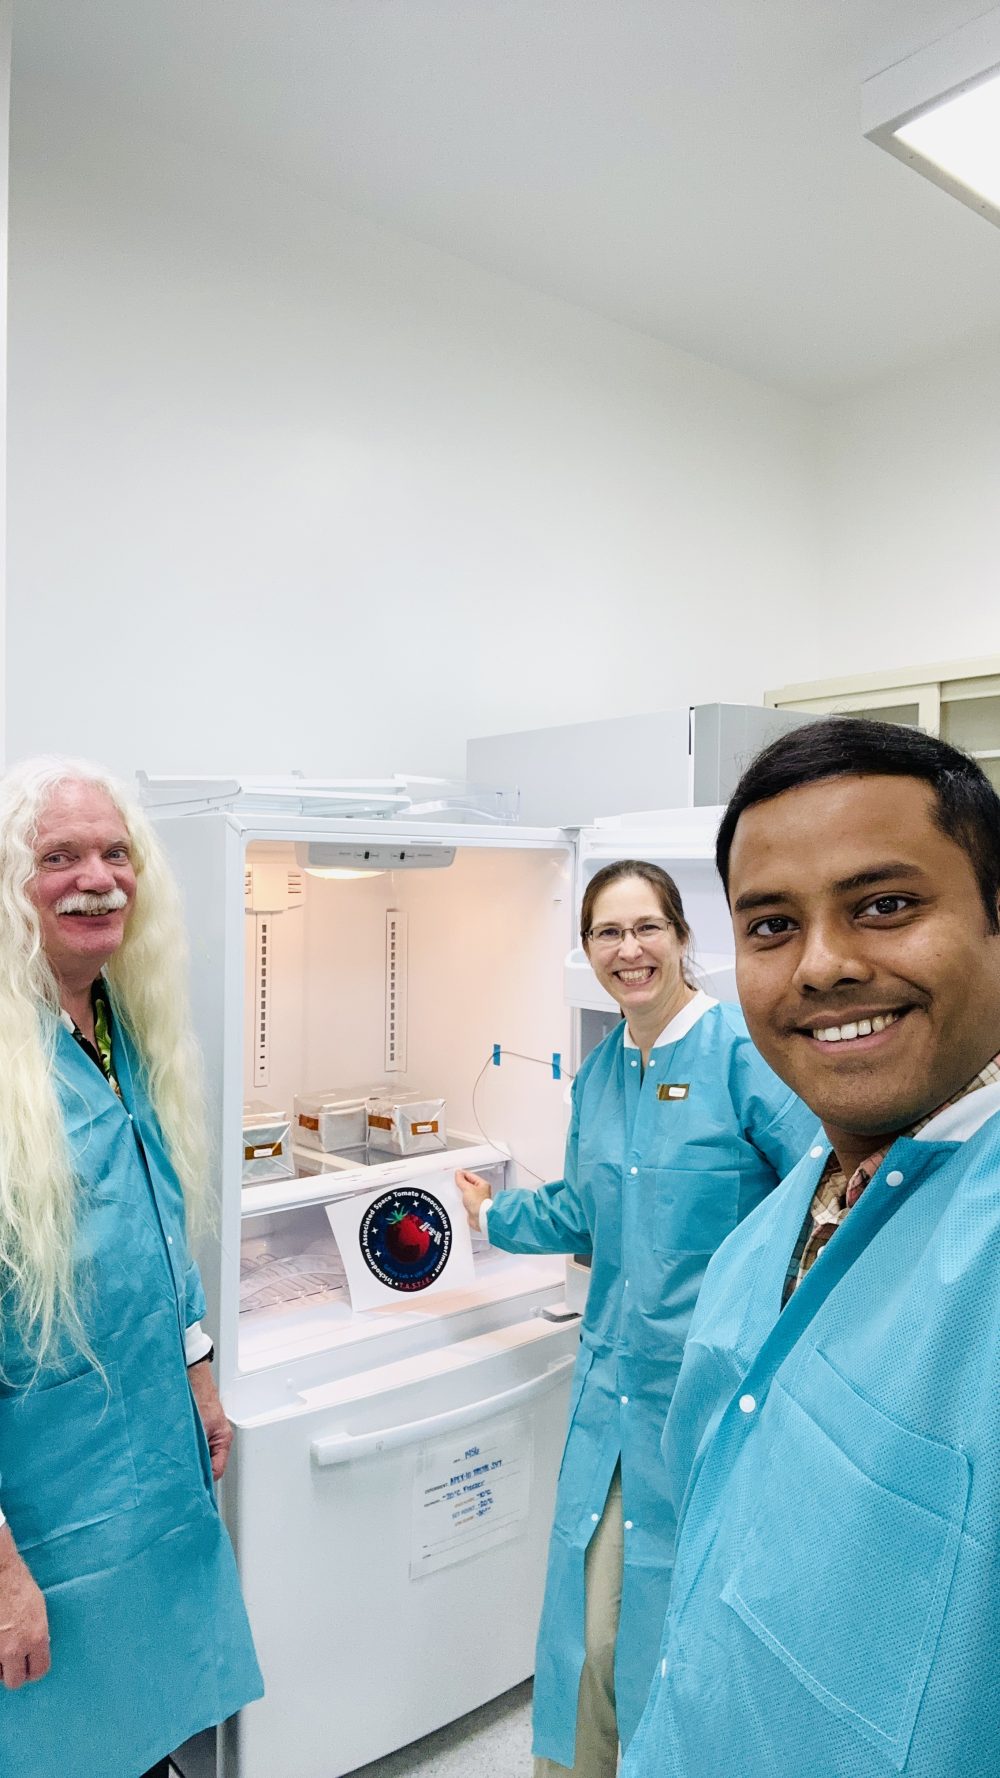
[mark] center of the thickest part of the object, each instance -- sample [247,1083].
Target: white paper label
[470,1493]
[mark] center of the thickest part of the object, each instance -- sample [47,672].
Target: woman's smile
[637,955]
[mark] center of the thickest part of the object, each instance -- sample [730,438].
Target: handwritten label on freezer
[470,1493]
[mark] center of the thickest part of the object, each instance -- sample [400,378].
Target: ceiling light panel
[939,111]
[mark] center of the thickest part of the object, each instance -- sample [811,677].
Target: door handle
[347,1447]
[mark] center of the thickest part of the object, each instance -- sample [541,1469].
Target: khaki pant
[596,1721]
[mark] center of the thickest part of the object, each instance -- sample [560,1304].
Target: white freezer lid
[401,795]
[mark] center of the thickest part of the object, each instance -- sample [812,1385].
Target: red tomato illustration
[406,1240]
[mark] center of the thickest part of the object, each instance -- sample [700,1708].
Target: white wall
[6,31]
[286,490]
[910,478]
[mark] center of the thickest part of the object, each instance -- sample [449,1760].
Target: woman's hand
[475,1193]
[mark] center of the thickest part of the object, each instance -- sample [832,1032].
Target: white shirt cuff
[484,1216]
[2,1519]
[197,1344]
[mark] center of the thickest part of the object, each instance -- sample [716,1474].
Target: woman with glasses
[679,1128]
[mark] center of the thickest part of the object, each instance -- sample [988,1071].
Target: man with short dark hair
[834,1438]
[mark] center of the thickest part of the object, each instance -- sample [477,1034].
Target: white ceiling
[693,168]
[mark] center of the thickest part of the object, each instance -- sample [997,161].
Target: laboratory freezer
[391,1485]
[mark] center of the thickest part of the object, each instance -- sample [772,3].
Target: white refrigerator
[392,1480]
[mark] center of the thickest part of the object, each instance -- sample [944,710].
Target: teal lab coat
[836,1599]
[652,1186]
[106,1481]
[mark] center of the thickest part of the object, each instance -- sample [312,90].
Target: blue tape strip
[496,1055]
[556,1065]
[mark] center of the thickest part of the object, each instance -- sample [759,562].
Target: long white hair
[147,982]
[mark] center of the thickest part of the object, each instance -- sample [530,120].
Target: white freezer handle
[347,1447]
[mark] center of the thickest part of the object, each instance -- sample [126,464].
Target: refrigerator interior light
[332,873]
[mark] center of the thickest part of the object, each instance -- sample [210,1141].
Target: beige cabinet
[960,701]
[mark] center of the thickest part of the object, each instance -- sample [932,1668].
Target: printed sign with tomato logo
[406,1238]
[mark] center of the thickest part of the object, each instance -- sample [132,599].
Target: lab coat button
[814,1153]
[594,1518]
[663,1668]
[624,1401]
[634,1063]
[170,1240]
[652,1064]
[633,1171]
[894,1178]
[628,1527]
[747,1404]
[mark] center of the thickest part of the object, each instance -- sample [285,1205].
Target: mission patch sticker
[675,1091]
[405,1237]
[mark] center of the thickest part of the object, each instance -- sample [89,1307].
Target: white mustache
[84,903]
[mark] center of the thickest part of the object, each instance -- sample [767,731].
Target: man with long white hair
[122,1629]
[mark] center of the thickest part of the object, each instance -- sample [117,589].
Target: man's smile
[862,1030]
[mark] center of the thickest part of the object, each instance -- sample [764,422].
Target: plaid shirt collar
[865,1173]
[835,1194]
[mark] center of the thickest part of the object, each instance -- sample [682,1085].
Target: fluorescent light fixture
[939,111]
[961,137]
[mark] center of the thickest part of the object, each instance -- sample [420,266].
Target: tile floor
[492,1742]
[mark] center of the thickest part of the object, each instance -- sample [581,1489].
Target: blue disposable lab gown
[107,1486]
[836,1599]
[652,1186]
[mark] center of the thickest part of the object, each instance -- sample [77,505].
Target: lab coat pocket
[696,1205]
[858,1521]
[67,1460]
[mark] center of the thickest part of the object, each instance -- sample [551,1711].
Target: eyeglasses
[645,932]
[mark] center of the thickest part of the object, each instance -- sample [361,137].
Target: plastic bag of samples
[267,1146]
[406,1123]
[332,1120]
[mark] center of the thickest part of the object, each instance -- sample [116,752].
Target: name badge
[669,1090]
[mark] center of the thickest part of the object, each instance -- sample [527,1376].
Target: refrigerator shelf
[354,1171]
